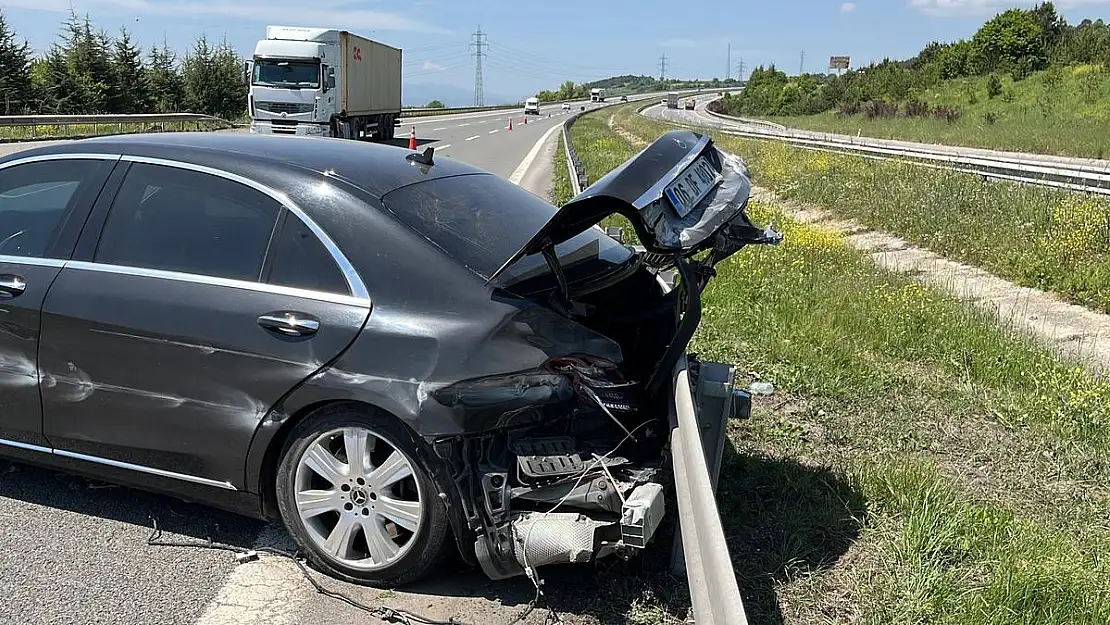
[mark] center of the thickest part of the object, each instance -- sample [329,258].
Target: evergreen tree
[167,85]
[15,72]
[130,83]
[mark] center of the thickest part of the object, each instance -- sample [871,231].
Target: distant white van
[532,106]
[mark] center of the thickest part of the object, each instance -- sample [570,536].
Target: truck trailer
[597,95]
[325,83]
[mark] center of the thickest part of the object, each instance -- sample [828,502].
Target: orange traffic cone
[525,120]
[412,138]
[510,124]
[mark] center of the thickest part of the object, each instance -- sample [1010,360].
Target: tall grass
[1040,237]
[1064,111]
[917,463]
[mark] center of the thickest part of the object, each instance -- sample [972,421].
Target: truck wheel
[356,499]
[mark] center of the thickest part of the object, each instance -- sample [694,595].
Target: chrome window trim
[354,281]
[260,287]
[121,465]
[60,156]
[359,296]
[33,260]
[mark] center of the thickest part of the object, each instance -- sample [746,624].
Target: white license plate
[691,186]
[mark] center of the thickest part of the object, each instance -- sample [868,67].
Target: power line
[802,64]
[740,69]
[479,52]
[728,62]
[663,67]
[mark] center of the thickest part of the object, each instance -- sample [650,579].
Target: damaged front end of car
[569,464]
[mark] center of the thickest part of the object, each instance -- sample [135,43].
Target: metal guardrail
[714,592]
[152,122]
[702,555]
[1062,172]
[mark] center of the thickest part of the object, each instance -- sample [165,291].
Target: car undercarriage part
[566,502]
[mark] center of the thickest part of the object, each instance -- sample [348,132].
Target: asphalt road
[73,551]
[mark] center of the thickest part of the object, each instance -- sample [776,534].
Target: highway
[75,551]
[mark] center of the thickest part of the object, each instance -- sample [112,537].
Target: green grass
[75,131]
[916,464]
[562,191]
[1045,238]
[1064,111]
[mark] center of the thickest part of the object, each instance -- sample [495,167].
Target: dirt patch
[1071,330]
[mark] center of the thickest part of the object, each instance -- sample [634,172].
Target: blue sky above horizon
[537,46]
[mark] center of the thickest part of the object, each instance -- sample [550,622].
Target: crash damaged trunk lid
[678,192]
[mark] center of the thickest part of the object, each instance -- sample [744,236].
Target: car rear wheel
[352,493]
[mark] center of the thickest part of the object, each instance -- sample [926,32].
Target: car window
[301,261]
[179,220]
[481,221]
[34,201]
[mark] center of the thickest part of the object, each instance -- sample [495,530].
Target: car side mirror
[329,81]
[245,76]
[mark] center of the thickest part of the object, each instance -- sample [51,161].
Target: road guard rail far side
[1072,173]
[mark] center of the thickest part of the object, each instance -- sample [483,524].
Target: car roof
[376,168]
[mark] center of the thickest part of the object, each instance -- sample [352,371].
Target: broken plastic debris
[761,388]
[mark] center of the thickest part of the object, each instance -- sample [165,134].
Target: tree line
[1015,42]
[569,90]
[87,71]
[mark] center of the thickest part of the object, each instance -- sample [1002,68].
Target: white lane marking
[473,138]
[527,162]
[466,124]
[262,592]
[438,129]
[495,130]
[440,148]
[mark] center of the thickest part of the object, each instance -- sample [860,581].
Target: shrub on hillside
[917,108]
[949,114]
[878,109]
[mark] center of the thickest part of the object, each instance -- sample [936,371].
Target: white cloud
[430,66]
[848,7]
[963,8]
[324,12]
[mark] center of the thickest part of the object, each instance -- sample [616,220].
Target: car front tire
[351,491]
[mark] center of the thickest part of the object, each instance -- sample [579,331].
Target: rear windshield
[481,220]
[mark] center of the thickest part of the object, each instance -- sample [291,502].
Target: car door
[164,348]
[43,202]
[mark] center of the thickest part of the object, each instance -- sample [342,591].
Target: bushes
[880,109]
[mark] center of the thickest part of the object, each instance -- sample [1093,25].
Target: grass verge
[917,463]
[77,131]
[1063,111]
[1044,238]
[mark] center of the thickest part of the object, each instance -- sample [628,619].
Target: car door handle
[12,285]
[289,323]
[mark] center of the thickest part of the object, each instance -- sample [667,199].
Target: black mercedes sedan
[393,353]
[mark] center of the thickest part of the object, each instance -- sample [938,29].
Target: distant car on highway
[532,106]
[690,104]
[566,106]
[624,98]
[395,355]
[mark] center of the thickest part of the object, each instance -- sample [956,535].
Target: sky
[534,46]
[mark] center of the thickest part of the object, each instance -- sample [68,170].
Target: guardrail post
[713,401]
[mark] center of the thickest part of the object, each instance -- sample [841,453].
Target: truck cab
[597,95]
[313,82]
[532,106]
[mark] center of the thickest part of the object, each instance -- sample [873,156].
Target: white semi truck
[325,83]
[597,95]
